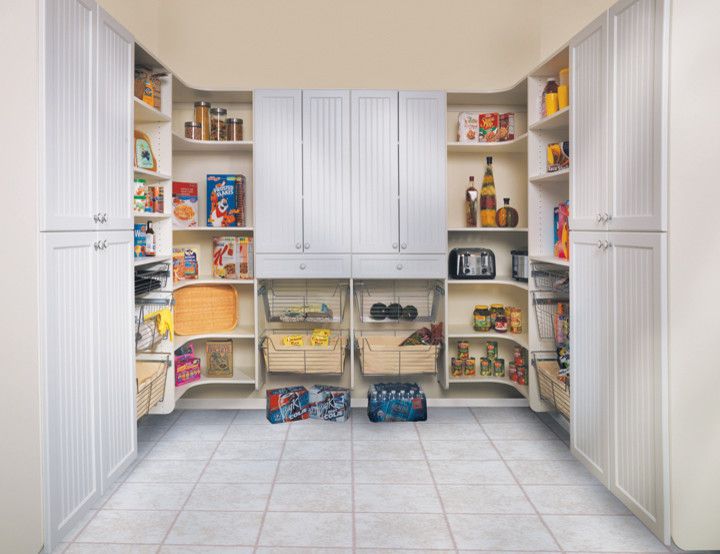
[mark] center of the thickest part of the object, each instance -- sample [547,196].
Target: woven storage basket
[304,359]
[205,309]
[150,380]
[552,389]
[382,355]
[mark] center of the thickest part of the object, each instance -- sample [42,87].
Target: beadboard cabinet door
[375,213]
[277,168]
[114,63]
[422,172]
[69,196]
[326,171]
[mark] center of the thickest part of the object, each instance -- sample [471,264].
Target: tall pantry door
[69,197]
[277,168]
[71,462]
[422,170]
[115,349]
[326,171]
[638,376]
[590,348]
[375,221]
[115,54]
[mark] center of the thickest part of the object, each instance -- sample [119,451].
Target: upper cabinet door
[115,48]
[277,168]
[326,171]
[637,111]
[589,188]
[422,161]
[375,227]
[68,188]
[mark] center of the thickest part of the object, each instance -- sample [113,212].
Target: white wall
[20,453]
[694,266]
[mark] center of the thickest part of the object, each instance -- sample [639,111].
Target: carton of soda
[329,403]
[287,404]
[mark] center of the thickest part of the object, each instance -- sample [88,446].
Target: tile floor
[468,480]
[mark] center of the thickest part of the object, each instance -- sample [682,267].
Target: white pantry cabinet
[617,67]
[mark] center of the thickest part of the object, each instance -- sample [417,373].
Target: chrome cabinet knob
[307,245]
[104,245]
[298,245]
[96,245]
[394,245]
[399,267]
[403,245]
[96,218]
[599,244]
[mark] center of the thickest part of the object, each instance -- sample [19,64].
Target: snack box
[185,204]
[185,264]
[506,127]
[225,264]
[396,402]
[246,269]
[468,127]
[287,404]
[187,370]
[225,200]
[488,124]
[329,403]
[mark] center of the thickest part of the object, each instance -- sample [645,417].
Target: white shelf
[510,146]
[522,389]
[240,332]
[151,260]
[150,176]
[488,230]
[505,281]
[550,260]
[209,280]
[212,229]
[149,215]
[560,119]
[181,144]
[145,113]
[239,378]
[561,176]
[466,332]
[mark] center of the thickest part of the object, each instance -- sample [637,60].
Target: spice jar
[481,319]
[234,128]
[217,123]
[501,323]
[201,115]
[193,130]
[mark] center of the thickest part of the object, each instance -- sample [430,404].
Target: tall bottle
[150,247]
[488,202]
[471,204]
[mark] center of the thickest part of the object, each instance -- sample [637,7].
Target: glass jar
[501,324]
[481,319]
[234,128]
[193,130]
[496,310]
[469,367]
[201,115]
[515,321]
[463,350]
[457,365]
[507,216]
[217,123]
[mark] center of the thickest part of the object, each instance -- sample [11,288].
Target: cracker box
[225,264]
[225,200]
[507,127]
[287,404]
[329,403]
[396,402]
[468,127]
[488,124]
[246,269]
[185,204]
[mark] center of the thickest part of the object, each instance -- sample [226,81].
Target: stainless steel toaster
[471,263]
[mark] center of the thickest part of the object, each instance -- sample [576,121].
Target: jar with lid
[234,128]
[481,319]
[217,123]
[549,104]
[507,216]
[193,130]
[201,115]
[563,90]
[501,323]
[496,310]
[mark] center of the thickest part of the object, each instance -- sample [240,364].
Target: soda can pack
[396,402]
[329,403]
[287,404]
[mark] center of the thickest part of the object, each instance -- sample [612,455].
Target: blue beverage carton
[396,402]
[287,404]
[329,403]
[225,200]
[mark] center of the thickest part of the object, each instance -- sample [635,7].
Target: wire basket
[304,301]
[148,334]
[547,305]
[383,355]
[306,359]
[554,387]
[398,301]
[551,278]
[150,382]
[151,278]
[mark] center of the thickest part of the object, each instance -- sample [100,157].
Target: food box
[396,402]
[225,200]
[225,264]
[246,269]
[185,204]
[488,124]
[185,264]
[187,369]
[558,156]
[219,358]
[506,129]
[287,404]
[139,237]
[329,403]
[468,127]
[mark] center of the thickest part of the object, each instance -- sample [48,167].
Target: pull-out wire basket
[306,359]
[381,354]
[553,384]
[149,327]
[551,278]
[398,301]
[300,301]
[151,278]
[150,382]
[547,305]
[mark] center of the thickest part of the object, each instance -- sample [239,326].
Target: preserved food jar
[234,128]
[193,130]
[507,216]
[481,319]
[201,115]
[217,123]
[488,203]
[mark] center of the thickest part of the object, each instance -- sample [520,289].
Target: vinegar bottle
[471,204]
[488,202]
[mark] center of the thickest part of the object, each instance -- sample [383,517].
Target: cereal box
[225,258]
[139,237]
[488,124]
[185,204]
[219,358]
[287,404]
[225,200]
[245,257]
[185,264]
[507,127]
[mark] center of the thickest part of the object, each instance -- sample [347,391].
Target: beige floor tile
[199,451]
[554,472]
[385,431]
[397,498]
[221,471]
[128,527]
[525,430]
[257,432]
[316,430]
[87,548]
[299,529]
[192,433]
[460,450]
[396,531]
[575,500]
[533,450]
[251,417]
[248,450]
[387,450]
[215,528]
[331,472]
[186,549]
[317,450]
[309,498]
[166,471]
[448,415]
[471,473]
[603,534]
[501,532]
[451,432]
[484,499]
[392,472]
[206,417]
[503,415]
[246,497]
[149,496]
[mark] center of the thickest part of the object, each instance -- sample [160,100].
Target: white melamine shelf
[212,229]
[561,176]
[560,119]
[149,260]
[241,379]
[504,280]
[209,280]
[240,332]
[466,332]
[145,113]
[149,215]
[181,144]
[150,176]
[550,260]
[522,389]
[488,230]
[510,146]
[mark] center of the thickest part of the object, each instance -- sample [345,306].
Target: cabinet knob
[403,245]
[606,217]
[398,267]
[104,244]
[599,244]
[96,245]
[96,218]
[298,245]
[394,245]
[598,218]
[307,245]
[302,266]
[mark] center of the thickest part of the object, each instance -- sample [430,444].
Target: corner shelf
[466,332]
[502,281]
[240,332]
[149,260]
[558,120]
[209,280]
[550,260]
[488,230]
[149,215]
[181,144]
[150,176]
[144,113]
[561,176]
[510,146]
[522,389]
[213,229]
[241,379]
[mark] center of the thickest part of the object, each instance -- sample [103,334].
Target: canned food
[499,367]
[463,348]
[469,367]
[457,366]
[492,349]
[485,367]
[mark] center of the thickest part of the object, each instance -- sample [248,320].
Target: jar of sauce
[501,323]
[481,319]
[496,310]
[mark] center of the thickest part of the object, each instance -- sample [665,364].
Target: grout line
[272,487]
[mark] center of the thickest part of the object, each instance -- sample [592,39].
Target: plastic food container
[201,115]
[193,130]
[217,123]
[234,128]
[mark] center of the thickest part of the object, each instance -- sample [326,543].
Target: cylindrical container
[485,367]
[492,349]
[481,319]
[469,367]
[499,367]
[563,96]
[234,128]
[496,310]
[501,324]
[201,115]
[457,367]
[515,320]
[193,130]
[550,88]
[565,76]
[463,349]
[217,123]
[551,103]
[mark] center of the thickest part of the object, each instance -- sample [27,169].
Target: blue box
[225,200]
[329,403]
[396,402]
[287,404]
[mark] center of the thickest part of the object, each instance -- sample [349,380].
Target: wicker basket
[552,390]
[383,355]
[205,309]
[304,359]
[150,379]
